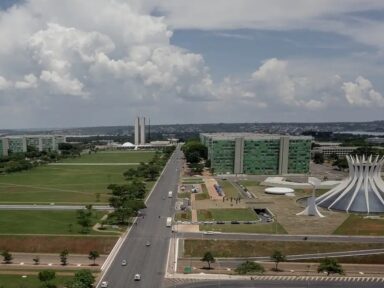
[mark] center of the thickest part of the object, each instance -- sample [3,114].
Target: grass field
[227,215]
[245,228]
[229,189]
[67,184]
[31,281]
[192,180]
[204,195]
[42,222]
[240,248]
[247,183]
[183,216]
[113,157]
[357,225]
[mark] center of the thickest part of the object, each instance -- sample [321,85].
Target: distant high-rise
[139,130]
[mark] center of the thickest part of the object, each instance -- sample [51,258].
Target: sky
[103,62]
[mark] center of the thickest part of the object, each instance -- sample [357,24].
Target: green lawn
[244,248]
[247,183]
[358,225]
[238,214]
[183,216]
[68,184]
[245,228]
[31,281]
[42,222]
[204,193]
[113,157]
[229,189]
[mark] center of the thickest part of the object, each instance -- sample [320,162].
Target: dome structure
[278,190]
[362,191]
[127,145]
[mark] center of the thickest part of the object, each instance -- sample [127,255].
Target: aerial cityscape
[191,144]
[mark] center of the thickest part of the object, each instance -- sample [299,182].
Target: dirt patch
[56,244]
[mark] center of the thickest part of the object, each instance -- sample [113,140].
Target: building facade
[140,131]
[20,144]
[260,154]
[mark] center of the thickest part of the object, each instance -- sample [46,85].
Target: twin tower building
[140,130]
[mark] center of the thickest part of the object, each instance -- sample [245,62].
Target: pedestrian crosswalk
[319,278]
[169,282]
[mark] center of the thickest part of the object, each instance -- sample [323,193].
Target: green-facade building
[260,154]
[19,144]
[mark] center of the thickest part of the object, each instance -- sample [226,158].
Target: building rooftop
[250,136]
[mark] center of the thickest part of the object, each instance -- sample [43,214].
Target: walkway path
[92,164]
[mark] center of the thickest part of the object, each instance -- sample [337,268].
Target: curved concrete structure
[278,190]
[362,191]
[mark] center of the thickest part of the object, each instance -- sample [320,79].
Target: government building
[20,144]
[259,154]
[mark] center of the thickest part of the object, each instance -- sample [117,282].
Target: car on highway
[137,277]
[123,263]
[104,284]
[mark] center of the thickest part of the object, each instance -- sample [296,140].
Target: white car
[137,277]
[124,262]
[148,244]
[104,284]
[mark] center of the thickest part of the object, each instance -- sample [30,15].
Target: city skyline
[193,62]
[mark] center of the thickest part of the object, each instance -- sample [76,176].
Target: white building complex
[362,191]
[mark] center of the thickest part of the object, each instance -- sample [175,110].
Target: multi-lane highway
[148,261]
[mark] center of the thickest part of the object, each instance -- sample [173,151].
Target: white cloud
[30,81]
[361,93]
[4,83]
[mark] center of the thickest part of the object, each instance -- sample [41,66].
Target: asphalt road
[280,284]
[149,261]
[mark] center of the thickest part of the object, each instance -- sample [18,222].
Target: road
[149,261]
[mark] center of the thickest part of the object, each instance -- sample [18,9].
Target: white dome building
[361,192]
[128,145]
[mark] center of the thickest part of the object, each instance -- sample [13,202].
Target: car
[220,222]
[137,277]
[148,243]
[208,232]
[104,284]
[235,222]
[123,263]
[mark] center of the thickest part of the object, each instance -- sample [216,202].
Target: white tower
[362,191]
[311,209]
[142,130]
[139,130]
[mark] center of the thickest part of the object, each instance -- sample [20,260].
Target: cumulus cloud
[361,93]
[121,56]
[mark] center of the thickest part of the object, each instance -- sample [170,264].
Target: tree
[64,257]
[93,255]
[46,276]
[82,279]
[341,163]
[84,218]
[208,257]
[36,260]
[249,267]
[331,266]
[7,257]
[278,257]
[318,158]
